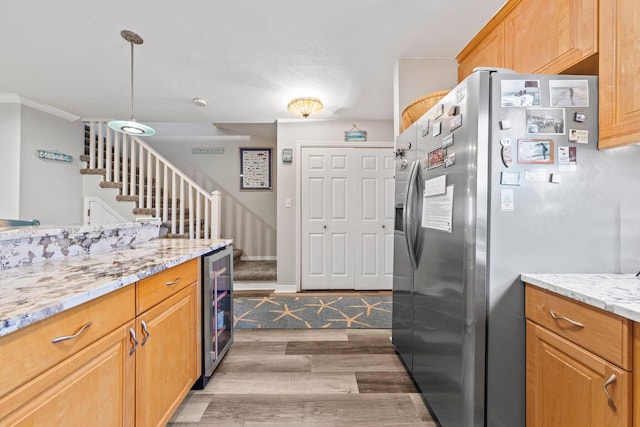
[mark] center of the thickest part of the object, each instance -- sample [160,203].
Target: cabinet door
[488,53]
[549,36]
[566,385]
[373,198]
[95,386]
[326,219]
[166,356]
[619,70]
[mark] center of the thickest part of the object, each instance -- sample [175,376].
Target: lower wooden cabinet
[120,367]
[96,386]
[569,386]
[579,363]
[166,357]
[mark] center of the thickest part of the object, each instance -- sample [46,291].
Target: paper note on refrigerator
[437,211]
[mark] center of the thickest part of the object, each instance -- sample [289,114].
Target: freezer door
[402,317]
[449,298]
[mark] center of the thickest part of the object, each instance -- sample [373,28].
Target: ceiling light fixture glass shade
[304,106]
[131,126]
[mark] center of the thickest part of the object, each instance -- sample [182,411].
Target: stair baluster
[158,187]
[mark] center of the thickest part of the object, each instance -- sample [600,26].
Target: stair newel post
[116,156]
[108,154]
[149,172]
[173,203]
[216,212]
[92,145]
[157,176]
[205,211]
[140,174]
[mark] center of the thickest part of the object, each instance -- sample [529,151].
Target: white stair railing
[160,188]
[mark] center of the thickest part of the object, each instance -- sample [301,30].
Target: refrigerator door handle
[407,212]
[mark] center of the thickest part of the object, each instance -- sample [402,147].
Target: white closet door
[373,211]
[326,223]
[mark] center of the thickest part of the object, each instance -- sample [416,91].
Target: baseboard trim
[251,285]
[281,289]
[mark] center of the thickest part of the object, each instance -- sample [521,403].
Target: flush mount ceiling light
[304,106]
[130,126]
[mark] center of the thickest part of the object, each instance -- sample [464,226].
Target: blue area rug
[300,312]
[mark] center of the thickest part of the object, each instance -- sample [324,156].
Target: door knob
[384,226]
[324,226]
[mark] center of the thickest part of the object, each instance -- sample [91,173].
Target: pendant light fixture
[304,106]
[130,126]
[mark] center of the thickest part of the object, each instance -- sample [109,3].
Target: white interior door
[326,225]
[374,212]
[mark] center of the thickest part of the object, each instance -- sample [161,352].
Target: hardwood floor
[307,377]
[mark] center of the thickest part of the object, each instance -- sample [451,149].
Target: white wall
[50,191]
[289,134]
[10,161]
[248,217]
[417,77]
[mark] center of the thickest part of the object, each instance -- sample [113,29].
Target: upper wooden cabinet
[550,36]
[488,53]
[619,70]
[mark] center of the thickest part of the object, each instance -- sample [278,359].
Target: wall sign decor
[54,155]
[355,134]
[255,169]
[207,150]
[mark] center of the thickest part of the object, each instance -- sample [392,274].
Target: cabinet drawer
[30,351]
[598,331]
[160,286]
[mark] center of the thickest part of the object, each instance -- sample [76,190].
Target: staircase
[158,188]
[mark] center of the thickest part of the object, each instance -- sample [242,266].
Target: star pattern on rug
[350,320]
[287,312]
[369,307]
[323,305]
[264,300]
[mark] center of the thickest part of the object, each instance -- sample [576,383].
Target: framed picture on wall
[255,169]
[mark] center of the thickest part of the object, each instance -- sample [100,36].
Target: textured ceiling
[248,58]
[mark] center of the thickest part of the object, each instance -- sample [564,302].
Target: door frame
[300,144]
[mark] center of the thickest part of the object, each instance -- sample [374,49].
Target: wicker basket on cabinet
[417,108]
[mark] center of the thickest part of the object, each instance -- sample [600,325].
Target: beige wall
[33,188]
[290,133]
[248,217]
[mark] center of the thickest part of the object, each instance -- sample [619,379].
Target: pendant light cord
[132,117]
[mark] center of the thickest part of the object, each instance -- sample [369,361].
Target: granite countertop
[34,292]
[615,293]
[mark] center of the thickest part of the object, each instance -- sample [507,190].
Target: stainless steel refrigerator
[502,177]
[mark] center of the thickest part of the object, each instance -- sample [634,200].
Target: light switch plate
[287,155]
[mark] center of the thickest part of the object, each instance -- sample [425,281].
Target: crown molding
[14,98]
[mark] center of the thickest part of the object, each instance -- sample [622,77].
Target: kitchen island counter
[615,293]
[35,292]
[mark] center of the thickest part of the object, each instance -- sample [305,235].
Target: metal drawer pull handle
[612,379]
[70,337]
[573,322]
[132,334]
[175,282]
[146,332]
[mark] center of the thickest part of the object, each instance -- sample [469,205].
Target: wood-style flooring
[307,377]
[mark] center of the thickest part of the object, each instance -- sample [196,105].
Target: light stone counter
[31,293]
[615,293]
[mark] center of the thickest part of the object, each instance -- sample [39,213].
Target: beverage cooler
[217,310]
